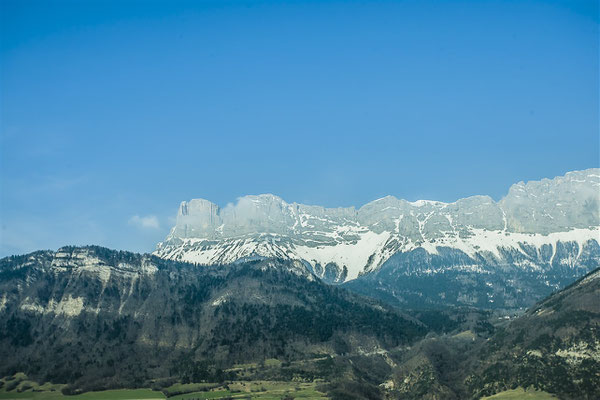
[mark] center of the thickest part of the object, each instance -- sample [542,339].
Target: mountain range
[98,318]
[507,254]
[398,299]
[91,318]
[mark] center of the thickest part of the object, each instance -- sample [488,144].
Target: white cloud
[147,222]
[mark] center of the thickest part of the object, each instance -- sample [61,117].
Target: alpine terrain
[478,252]
[96,318]
[90,318]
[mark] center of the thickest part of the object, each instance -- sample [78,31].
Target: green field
[521,394]
[264,390]
[122,394]
[19,387]
[278,392]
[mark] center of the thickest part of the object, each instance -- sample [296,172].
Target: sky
[113,112]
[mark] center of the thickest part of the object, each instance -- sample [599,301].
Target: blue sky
[112,112]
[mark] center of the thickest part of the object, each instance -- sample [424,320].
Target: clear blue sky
[116,109]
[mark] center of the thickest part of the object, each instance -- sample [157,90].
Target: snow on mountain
[339,244]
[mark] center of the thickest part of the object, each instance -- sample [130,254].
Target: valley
[269,300]
[299,200]
[18,387]
[91,319]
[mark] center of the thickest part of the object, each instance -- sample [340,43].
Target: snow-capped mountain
[532,221]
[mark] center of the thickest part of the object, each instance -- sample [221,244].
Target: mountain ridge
[97,318]
[100,318]
[554,346]
[341,244]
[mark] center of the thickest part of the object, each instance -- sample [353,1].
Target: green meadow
[19,387]
[521,394]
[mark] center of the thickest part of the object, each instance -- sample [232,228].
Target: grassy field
[521,394]
[264,390]
[19,387]
[123,394]
[278,392]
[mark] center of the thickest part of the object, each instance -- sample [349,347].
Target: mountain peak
[359,241]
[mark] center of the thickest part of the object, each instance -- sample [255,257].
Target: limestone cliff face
[554,205]
[341,244]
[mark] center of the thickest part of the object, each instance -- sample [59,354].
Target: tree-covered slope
[515,278]
[93,316]
[555,346]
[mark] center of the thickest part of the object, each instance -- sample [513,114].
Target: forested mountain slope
[93,316]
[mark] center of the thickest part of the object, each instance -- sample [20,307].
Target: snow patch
[354,256]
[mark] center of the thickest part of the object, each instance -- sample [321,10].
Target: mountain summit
[340,244]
